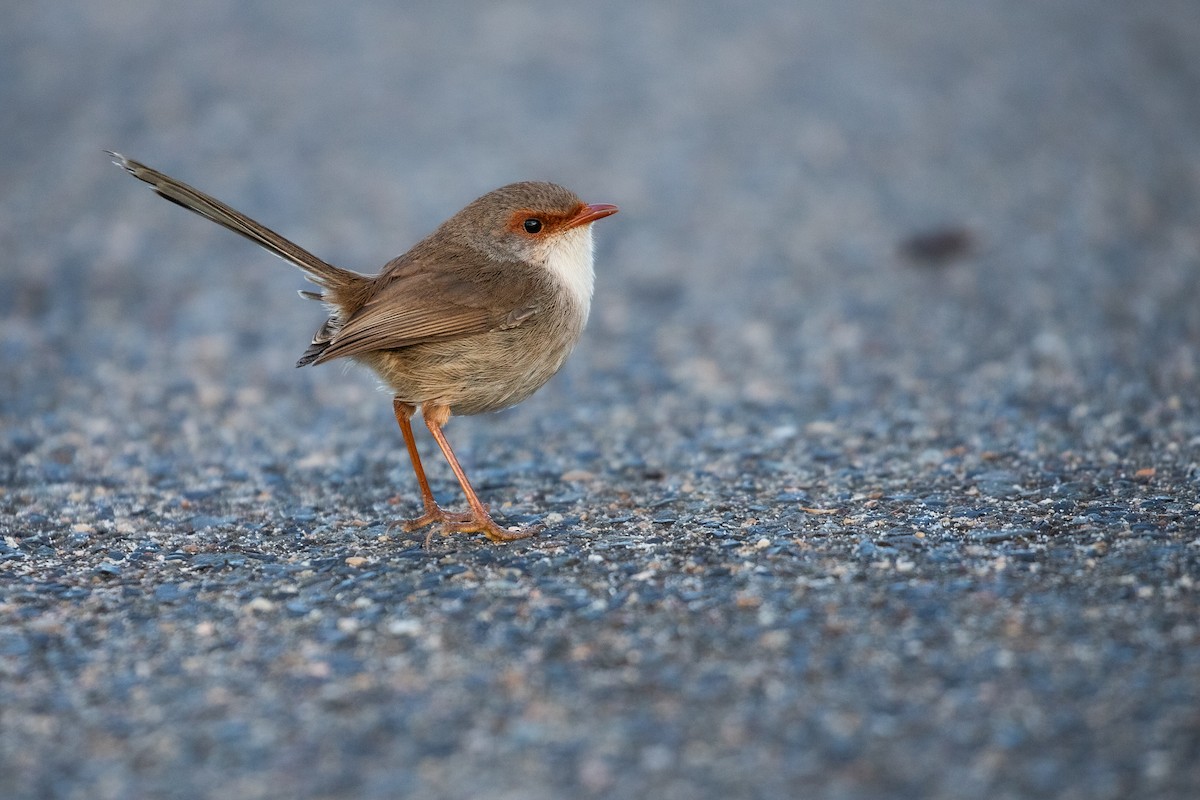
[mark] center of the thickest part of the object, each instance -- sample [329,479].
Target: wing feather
[420,299]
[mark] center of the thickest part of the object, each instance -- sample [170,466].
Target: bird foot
[432,514]
[487,526]
[461,522]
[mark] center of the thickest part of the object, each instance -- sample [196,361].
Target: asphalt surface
[876,475]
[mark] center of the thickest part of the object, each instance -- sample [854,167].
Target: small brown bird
[474,318]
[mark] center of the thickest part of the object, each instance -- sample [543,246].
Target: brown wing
[423,298]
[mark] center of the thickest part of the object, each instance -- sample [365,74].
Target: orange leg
[433,512]
[478,520]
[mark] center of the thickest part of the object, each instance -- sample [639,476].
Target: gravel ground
[877,473]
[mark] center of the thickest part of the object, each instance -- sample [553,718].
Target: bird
[474,318]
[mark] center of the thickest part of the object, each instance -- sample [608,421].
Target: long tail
[335,279]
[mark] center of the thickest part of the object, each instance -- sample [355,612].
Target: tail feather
[320,342]
[320,272]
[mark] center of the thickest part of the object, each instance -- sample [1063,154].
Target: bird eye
[533,225]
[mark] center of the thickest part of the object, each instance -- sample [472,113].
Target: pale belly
[476,374]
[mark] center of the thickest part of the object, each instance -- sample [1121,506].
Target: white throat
[568,257]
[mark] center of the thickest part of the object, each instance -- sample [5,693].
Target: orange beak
[589,214]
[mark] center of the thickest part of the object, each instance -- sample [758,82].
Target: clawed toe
[488,527]
[437,514]
[450,522]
